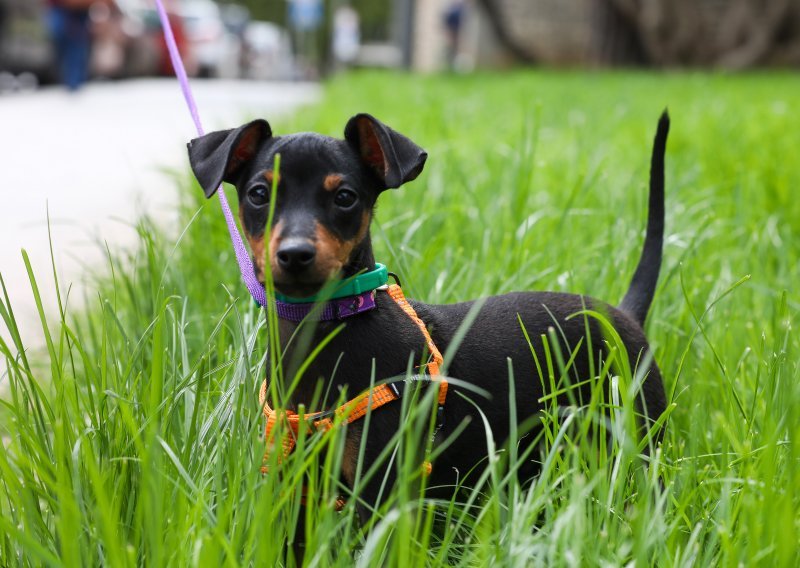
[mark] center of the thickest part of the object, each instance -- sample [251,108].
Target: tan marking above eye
[332,252]
[269,176]
[332,181]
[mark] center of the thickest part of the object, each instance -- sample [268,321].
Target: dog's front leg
[372,462]
[296,551]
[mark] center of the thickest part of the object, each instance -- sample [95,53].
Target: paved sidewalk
[96,159]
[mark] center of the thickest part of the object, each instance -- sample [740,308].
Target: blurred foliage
[375,19]
[270,10]
[375,16]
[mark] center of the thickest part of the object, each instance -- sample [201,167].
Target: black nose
[296,256]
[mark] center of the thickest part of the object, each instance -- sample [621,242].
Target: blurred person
[453,19]
[346,35]
[109,40]
[69,27]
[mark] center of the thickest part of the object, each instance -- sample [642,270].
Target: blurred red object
[129,41]
[165,67]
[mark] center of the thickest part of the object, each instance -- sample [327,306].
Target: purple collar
[338,309]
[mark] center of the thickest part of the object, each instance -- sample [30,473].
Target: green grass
[135,439]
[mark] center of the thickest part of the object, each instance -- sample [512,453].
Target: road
[97,160]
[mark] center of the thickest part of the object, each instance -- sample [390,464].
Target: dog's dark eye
[258,196]
[345,198]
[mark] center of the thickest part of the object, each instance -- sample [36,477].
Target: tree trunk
[616,37]
[494,14]
[733,34]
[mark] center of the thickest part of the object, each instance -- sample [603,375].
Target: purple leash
[242,256]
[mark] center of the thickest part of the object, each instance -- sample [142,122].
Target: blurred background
[308,39]
[531,168]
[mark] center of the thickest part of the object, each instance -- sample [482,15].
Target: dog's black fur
[326,193]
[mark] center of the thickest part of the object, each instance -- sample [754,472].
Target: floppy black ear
[218,156]
[394,158]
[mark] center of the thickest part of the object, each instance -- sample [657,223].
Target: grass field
[135,439]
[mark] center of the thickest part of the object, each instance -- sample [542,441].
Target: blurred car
[267,52]
[215,49]
[122,45]
[129,41]
[24,41]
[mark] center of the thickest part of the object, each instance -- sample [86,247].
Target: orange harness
[355,408]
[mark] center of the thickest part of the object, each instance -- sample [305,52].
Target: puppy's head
[326,192]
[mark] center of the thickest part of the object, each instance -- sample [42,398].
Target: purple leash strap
[242,256]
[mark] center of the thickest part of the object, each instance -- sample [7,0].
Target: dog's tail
[636,302]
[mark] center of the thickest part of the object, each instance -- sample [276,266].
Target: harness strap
[355,408]
[396,294]
[350,411]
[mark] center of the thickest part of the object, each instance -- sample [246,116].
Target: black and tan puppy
[327,189]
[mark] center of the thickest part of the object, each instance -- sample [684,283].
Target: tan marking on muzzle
[333,253]
[332,181]
[257,248]
[274,243]
[362,231]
